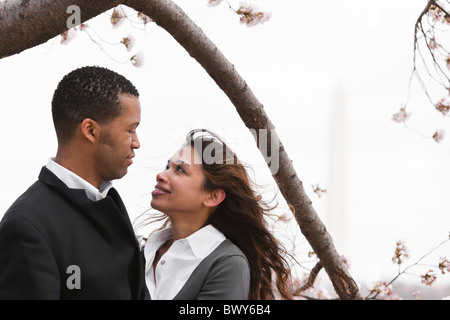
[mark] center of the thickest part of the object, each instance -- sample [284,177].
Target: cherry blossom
[67,36]
[438,15]
[144,18]
[438,135]
[401,116]
[443,106]
[117,17]
[429,278]
[444,265]
[319,191]
[400,254]
[137,60]
[128,42]
[250,16]
[381,289]
[213,3]
[83,26]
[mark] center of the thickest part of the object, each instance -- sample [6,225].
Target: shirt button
[163,261]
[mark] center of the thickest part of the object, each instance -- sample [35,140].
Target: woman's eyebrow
[178,162]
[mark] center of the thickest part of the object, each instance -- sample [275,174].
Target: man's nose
[135,144]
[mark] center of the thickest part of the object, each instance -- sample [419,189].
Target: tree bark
[28,23]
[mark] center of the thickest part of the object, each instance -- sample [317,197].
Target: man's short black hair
[88,92]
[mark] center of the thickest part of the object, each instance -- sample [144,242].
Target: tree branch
[312,278]
[26,23]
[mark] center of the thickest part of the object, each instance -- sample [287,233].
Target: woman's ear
[214,198]
[90,129]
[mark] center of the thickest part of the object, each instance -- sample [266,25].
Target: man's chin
[118,175]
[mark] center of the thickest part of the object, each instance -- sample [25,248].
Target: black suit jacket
[55,243]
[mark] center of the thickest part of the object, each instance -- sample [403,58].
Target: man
[69,235]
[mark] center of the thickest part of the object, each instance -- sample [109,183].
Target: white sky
[396,182]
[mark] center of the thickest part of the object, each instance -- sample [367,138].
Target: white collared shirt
[177,264]
[73,181]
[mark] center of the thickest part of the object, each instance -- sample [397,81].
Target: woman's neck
[183,229]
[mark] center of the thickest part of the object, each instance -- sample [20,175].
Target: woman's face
[179,188]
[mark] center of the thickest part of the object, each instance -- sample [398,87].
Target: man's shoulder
[29,201]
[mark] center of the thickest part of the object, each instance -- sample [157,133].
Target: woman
[217,245]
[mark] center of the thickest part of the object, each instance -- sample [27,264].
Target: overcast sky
[396,182]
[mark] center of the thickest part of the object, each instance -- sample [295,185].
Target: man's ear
[90,129]
[214,198]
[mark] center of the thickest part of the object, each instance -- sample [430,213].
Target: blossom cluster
[137,60]
[438,136]
[429,278]
[400,253]
[144,18]
[214,3]
[117,17]
[443,106]
[68,35]
[439,14]
[444,265]
[382,290]
[250,16]
[128,42]
[319,191]
[310,292]
[401,115]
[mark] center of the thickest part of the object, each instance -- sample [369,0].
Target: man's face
[118,140]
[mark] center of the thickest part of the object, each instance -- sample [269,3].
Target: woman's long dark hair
[241,216]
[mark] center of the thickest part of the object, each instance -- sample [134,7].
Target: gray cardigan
[223,275]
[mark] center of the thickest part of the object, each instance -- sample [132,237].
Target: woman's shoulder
[223,274]
[227,249]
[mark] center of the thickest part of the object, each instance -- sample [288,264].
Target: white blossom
[137,60]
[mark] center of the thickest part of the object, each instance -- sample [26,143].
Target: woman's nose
[162,176]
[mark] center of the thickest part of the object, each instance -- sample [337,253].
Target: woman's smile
[159,191]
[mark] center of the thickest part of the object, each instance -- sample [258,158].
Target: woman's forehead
[187,155]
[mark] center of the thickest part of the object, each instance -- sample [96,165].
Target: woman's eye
[179,168]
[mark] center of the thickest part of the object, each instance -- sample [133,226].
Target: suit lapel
[109,215]
[76,196]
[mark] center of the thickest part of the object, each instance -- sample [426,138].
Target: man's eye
[179,168]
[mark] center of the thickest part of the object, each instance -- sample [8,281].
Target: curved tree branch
[27,23]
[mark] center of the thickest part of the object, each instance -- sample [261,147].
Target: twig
[312,278]
[417,262]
